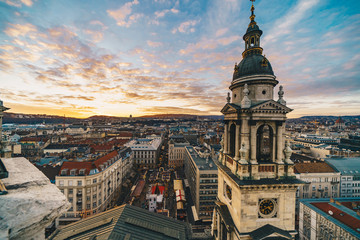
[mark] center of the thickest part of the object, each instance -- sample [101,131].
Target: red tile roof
[318,167]
[87,165]
[77,166]
[102,147]
[104,159]
[339,215]
[118,142]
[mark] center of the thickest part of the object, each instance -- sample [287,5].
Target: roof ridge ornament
[281,95]
[246,102]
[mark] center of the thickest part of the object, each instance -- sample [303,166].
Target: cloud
[172,110]
[186,27]
[160,14]
[18,3]
[154,44]
[285,25]
[221,32]
[15,30]
[123,15]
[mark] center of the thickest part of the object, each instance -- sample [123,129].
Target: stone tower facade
[256,181]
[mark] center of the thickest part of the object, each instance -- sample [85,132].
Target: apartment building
[90,186]
[176,151]
[329,219]
[146,151]
[322,181]
[202,175]
[349,169]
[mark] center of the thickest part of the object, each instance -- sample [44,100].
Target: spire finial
[252,17]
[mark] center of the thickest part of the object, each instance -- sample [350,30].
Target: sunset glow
[84,58]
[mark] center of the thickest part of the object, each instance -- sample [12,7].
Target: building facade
[256,181]
[349,169]
[91,186]
[322,181]
[176,152]
[201,172]
[146,151]
[329,219]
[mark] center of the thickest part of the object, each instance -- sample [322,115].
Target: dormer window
[64,172]
[72,172]
[82,172]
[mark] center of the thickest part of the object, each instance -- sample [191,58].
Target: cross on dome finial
[252,17]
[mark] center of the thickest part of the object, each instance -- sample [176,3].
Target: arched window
[232,140]
[252,42]
[264,146]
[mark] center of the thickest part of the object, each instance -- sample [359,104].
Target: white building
[329,219]
[146,151]
[350,175]
[90,186]
[322,181]
[176,151]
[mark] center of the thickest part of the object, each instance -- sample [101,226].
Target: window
[94,180]
[61,182]
[71,191]
[71,200]
[70,182]
[88,206]
[79,183]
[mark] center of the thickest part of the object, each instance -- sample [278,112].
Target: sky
[85,57]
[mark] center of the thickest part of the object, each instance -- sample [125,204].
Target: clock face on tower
[267,208]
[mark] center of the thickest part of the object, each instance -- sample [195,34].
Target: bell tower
[257,185]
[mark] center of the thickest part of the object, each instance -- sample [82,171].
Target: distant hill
[21,118]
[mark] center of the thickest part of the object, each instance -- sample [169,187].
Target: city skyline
[135,57]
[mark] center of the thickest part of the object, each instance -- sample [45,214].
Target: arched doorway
[232,140]
[264,143]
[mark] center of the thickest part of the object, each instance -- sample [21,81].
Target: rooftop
[346,166]
[125,222]
[203,163]
[318,167]
[338,211]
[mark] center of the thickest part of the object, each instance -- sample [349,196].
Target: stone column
[228,235]
[253,144]
[237,142]
[226,138]
[279,143]
[245,136]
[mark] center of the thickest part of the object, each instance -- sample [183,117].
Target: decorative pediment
[271,107]
[230,108]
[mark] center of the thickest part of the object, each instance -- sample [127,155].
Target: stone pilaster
[237,142]
[253,144]
[279,143]
[245,136]
[226,145]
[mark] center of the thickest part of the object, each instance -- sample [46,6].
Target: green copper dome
[254,64]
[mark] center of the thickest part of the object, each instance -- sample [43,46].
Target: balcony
[267,168]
